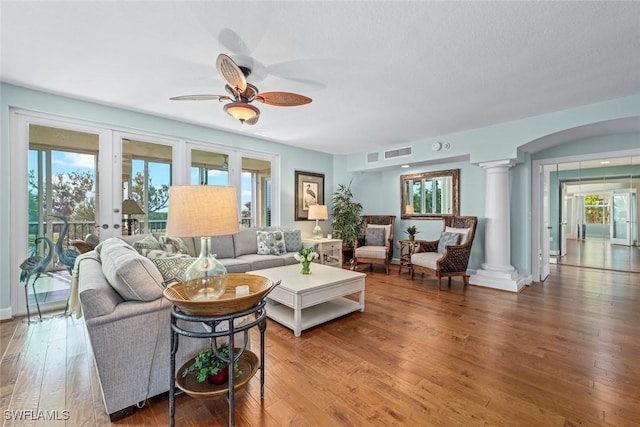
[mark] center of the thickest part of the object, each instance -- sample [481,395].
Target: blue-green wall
[376,186]
[292,158]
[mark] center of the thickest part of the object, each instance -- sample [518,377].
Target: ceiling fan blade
[199,97]
[282,99]
[230,71]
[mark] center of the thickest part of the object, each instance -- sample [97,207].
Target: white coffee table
[309,300]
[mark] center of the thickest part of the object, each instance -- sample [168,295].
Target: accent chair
[375,245]
[449,255]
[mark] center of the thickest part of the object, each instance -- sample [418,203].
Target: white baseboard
[6,313]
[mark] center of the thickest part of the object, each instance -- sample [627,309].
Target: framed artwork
[309,191]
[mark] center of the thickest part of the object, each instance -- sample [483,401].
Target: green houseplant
[411,231]
[346,214]
[208,366]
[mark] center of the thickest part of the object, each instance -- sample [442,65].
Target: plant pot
[221,377]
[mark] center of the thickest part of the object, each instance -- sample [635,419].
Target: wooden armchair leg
[439,283]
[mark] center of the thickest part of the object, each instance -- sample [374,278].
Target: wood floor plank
[565,352]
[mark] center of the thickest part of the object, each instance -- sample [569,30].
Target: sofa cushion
[271,243]
[221,246]
[447,239]
[245,242]
[234,265]
[259,262]
[293,240]
[374,236]
[133,276]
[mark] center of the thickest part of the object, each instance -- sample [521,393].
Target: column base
[503,280]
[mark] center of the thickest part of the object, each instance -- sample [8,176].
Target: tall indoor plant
[346,214]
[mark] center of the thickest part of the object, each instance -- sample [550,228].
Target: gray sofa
[119,292]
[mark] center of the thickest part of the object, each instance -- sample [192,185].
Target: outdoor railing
[78,230]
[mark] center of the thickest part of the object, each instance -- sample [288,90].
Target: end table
[407,247]
[329,250]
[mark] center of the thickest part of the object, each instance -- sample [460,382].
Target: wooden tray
[248,363]
[259,287]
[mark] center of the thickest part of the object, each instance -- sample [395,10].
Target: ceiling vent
[372,157]
[399,152]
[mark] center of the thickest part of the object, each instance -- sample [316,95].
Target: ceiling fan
[242,94]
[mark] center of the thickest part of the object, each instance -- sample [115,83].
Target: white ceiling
[379,73]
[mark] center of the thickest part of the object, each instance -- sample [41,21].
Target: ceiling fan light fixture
[241,111]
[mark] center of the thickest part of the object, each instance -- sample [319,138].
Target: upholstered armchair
[449,255]
[375,245]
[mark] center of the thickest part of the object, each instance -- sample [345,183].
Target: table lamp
[318,212]
[203,211]
[130,207]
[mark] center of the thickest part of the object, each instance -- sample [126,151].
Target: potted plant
[346,214]
[411,231]
[208,366]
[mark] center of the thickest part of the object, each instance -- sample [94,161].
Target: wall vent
[399,152]
[372,157]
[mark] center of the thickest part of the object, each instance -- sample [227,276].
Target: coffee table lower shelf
[311,316]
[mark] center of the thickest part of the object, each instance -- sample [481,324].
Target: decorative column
[497,271]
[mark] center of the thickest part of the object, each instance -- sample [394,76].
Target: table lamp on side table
[318,212]
[203,211]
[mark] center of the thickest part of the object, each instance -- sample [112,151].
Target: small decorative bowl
[259,287]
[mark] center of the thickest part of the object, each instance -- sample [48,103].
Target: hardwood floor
[561,353]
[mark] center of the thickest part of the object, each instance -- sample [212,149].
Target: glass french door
[622,214]
[251,175]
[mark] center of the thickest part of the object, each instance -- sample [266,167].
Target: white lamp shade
[202,210]
[318,212]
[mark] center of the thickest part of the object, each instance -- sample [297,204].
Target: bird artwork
[312,198]
[67,256]
[37,265]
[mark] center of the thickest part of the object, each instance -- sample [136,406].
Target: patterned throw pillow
[374,236]
[173,268]
[447,239]
[271,243]
[293,240]
[149,243]
[174,244]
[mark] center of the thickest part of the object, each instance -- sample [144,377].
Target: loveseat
[118,290]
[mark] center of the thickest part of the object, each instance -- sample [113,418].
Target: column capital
[498,163]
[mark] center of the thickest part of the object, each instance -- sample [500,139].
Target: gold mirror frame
[454,193]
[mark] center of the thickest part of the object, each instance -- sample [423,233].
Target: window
[596,209]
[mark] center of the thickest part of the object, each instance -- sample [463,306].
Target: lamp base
[317,231]
[206,278]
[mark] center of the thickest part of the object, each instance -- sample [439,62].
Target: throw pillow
[464,233]
[374,236]
[149,243]
[447,239]
[271,243]
[173,268]
[293,240]
[174,244]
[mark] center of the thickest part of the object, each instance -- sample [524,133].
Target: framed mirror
[430,194]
